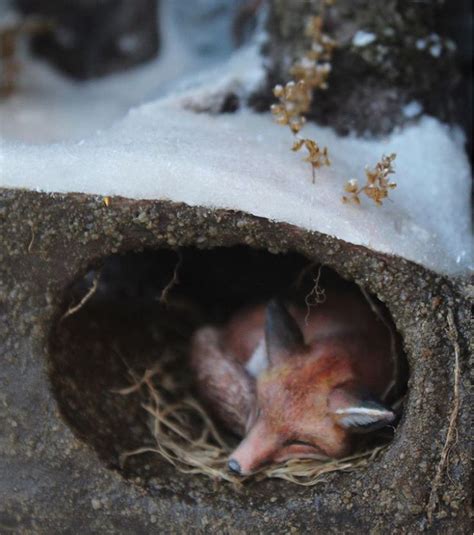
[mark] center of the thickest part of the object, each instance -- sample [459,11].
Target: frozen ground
[58,136]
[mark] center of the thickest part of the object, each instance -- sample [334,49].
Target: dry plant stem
[451,433]
[138,382]
[318,294]
[72,310]
[295,98]
[30,245]
[377,184]
[174,280]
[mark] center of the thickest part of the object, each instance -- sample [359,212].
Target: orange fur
[289,410]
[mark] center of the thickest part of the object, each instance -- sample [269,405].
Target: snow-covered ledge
[243,161]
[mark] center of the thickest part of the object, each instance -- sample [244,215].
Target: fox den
[232,363]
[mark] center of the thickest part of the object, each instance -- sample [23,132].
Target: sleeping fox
[294,384]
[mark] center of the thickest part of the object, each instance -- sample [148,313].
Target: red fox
[295,386]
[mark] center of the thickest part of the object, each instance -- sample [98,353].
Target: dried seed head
[377,182]
[310,73]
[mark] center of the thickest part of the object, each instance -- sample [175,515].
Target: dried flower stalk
[315,66]
[377,183]
[310,73]
[317,157]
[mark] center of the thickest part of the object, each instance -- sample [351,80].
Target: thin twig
[72,310]
[317,293]
[30,245]
[138,382]
[174,280]
[433,499]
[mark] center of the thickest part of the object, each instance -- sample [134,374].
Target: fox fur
[294,384]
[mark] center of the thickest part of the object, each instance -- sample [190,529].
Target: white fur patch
[355,416]
[258,362]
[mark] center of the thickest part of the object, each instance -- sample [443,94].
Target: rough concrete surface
[51,481]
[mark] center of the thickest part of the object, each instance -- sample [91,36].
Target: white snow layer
[363,38]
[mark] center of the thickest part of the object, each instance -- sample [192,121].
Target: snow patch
[363,38]
[435,50]
[412,109]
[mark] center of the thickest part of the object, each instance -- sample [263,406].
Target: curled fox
[295,385]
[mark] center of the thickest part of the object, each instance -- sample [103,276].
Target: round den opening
[231,363]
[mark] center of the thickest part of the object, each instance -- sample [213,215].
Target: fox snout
[258,448]
[263,445]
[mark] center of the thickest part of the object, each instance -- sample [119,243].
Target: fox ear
[283,337]
[358,415]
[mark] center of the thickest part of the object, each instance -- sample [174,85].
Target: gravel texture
[51,481]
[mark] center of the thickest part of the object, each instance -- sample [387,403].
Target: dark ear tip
[277,309]
[282,333]
[234,466]
[275,304]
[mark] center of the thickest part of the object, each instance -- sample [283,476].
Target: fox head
[309,400]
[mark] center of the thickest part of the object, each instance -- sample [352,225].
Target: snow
[433,41]
[127,135]
[363,38]
[412,109]
[420,44]
[435,50]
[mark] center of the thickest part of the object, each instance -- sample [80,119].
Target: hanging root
[450,435]
[173,282]
[316,296]
[183,434]
[72,310]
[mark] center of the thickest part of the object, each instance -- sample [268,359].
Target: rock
[389,55]
[91,38]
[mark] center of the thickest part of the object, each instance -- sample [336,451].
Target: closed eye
[294,449]
[299,443]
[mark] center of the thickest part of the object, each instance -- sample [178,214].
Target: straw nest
[183,434]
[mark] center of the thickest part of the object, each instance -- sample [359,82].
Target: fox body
[294,384]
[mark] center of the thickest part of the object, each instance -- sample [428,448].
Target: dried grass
[184,435]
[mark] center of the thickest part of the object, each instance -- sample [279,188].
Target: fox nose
[234,466]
